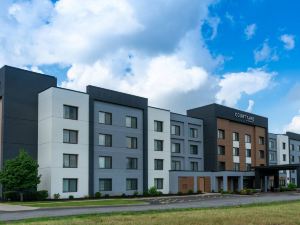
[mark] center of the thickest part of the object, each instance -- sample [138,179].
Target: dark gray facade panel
[19,91]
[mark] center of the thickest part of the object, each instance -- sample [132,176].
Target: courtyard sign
[245,117]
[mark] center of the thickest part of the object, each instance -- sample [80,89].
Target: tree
[20,174]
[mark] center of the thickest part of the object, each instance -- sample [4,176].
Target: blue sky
[180,54]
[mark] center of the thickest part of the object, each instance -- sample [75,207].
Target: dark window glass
[193,132]
[247,138]
[105,184]
[132,163]
[158,145]
[105,118]
[70,185]
[235,136]
[131,122]
[158,164]
[194,166]
[131,184]
[175,130]
[248,167]
[261,140]
[221,166]
[105,140]
[70,136]
[261,154]
[236,167]
[175,147]
[158,126]
[159,183]
[194,149]
[70,112]
[236,151]
[221,134]
[248,152]
[221,150]
[70,160]
[176,165]
[131,142]
[105,162]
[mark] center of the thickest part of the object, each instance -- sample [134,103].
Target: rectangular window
[132,163]
[175,130]
[131,184]
[221,150]
[105,184]
[247,138]
[105,118]
[158,126]
[299,147]
[70,185]
[221,134]
[176,165]
[131,122]
[105,162]
[221,166]
[193,132]
[158,145]
[261,154]
[293,158]
[248,167]
[70,136]
[105,140]
[261,140]
[248,152]
[159,183]
[70,160]
[194,149]
[283,145]
[158,164]
[236,166]
[284,157]
[299,159]
[272,144]
[131,142]
[235,136]
[236,151]
[292,147]
[194,166]
[175,147]
[70,112]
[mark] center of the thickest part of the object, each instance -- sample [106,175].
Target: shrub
[190,192]
[56,196]
[292,187]
[179,193]
[106,196]
[123,195]
[42,195]
[98,195]
[153,191]
[199,192]
[159,193]
[135,193]
[71,197]
[146,194]
[11,196]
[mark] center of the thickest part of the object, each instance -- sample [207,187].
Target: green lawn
[269,214]
[102,202]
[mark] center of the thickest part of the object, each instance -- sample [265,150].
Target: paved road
[200,203]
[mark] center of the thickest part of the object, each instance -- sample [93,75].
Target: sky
[179,54]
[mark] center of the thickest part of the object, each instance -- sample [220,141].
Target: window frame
[175,144]
[105,140]
[131,118]
[192,149]
[176,128]
[159,181]
[221,147]
[70,106]
[176,163]
[105,165]
[110,184]
[128,163]
[69,136]
[105,118]
[192,164]
[131,188]
[157,126]
[69,155]
[131,142]
[221,134]
[69,180]
[156,141]
[157,164]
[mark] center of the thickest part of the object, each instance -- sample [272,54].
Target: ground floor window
[105,184]
[131,184]
[70,185]
[159,183]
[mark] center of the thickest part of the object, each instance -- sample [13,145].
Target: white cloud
[250,31]
[250,106]
[294,125]
[229,17]
[213,22]
[234,85]
[265,53]
[288,41]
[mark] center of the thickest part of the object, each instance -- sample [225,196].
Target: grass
[102,202]
[286,213]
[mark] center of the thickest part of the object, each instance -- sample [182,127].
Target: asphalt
[190,202]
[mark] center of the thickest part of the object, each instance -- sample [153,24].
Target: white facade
[155,114]
[51,123]
[283,153]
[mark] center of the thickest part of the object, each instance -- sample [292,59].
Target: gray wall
[119,152]
[296,154]
[185,141]
[273,138]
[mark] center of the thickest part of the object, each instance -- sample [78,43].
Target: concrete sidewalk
[14,208]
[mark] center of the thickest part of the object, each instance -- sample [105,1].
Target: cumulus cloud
[265,53]
[250,31]
[234,85]
[288,41]
[294,125]
[250,106]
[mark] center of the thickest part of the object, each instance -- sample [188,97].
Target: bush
[106,196]
[190,192]
[71,197]
[56,196]
[135,193]
[42,195]
[123,195]
[146,194]
[153,191]
[11,196]
[292,187]
[179,193]
[199,192]
[98,195]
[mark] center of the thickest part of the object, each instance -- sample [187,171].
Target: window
[70,185]
[158,126]
[261,140]
[176,165]
[235,136]
[272,144]
[158,145]
[298,158]
[272,156]
[132,163]
[248,152]
[131,142]
[194,149]
[221,150]
[236,151]
[159,183]
[292,147]
[293,158]
[175,147]
[70,136]
[105,162]
[299,147]
[70,112]
[131,184]
[175,130]
[105,184]
[283,145]
[105,140]
[158,164]
[293,180]
[70,160]
[248,167]
[236,166]
[221,166]
[247,138]
[221,134]
[284,157]
[193,132]
[194,166]
[261,154]
[105,118]
[131,122]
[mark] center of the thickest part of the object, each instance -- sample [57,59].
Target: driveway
[167,203]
